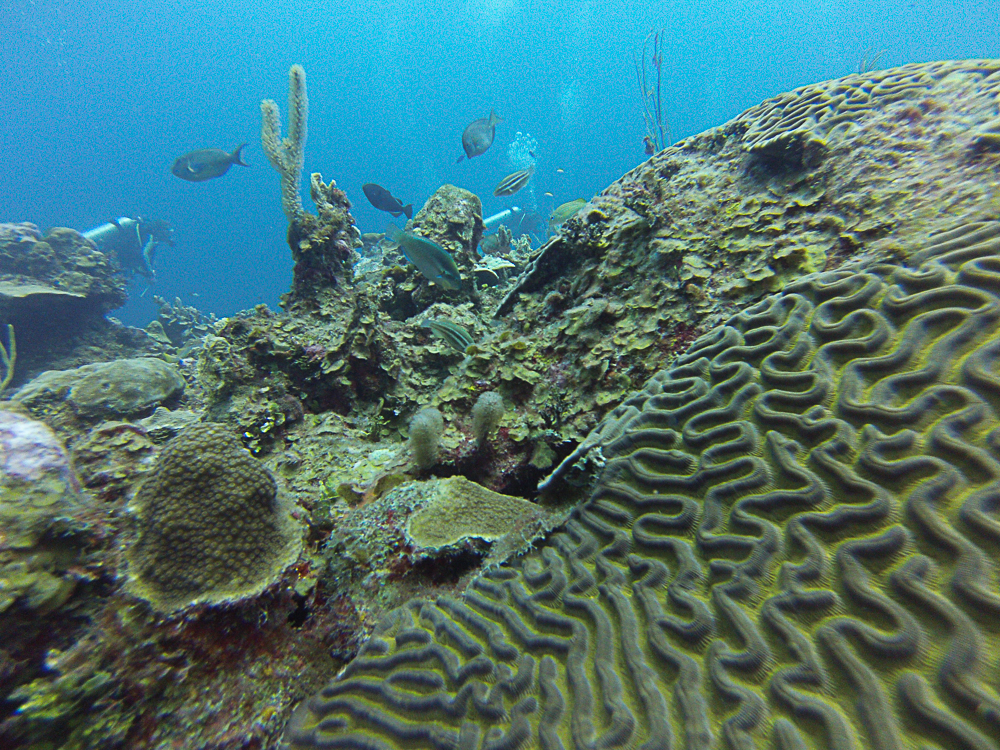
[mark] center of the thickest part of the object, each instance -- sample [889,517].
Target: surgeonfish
[564,212]
[453,335]
[478,136]
[432,260]
[383,200]
[206,163]
[513,182]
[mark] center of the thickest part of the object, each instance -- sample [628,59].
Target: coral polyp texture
[212,526]
[793,543]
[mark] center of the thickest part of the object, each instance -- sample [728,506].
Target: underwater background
[100,98]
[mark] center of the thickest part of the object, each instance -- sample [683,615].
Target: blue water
[98,98]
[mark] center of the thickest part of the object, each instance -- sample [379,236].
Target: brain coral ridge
[212,526]
[793,543]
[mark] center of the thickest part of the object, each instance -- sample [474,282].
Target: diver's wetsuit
[132,242]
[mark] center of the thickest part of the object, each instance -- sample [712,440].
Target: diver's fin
[236,158]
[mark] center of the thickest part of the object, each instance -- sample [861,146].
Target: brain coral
[794,542]
[211,524]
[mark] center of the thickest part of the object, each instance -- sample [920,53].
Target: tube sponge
[425,437]
[287,155]
[486,415]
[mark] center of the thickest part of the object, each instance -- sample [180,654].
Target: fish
[206,163]
[548,195]
[490,244]
[432,260]
[478,136]
[383,200]
[454,335]
[564,212]
[560,171]
[513,182]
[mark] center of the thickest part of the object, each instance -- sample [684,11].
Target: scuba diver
[133,243]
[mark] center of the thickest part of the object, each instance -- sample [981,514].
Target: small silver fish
[432,260]
[513,182]
[453,335]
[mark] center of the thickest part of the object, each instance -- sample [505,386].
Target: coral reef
[322,245]
[112,458]
[63,261]
[212,527]
[55,291]
[180,326]
[124,387]
[791,540]
[733,494]
[453,218]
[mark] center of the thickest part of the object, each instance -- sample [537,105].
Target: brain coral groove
[794,542]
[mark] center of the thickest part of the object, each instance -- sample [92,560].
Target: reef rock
[124,387]
[453,218]
[63,261]
[323,248]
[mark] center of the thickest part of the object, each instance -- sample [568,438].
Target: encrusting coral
[212,526]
